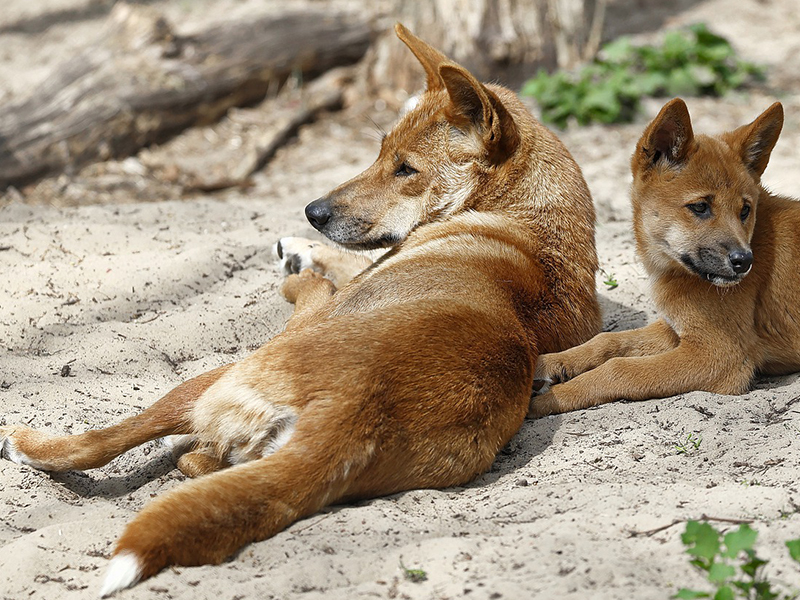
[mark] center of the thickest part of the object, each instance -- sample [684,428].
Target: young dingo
[414,374]
[723,255]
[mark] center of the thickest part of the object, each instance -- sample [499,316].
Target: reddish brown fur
[419,370]
[709,337]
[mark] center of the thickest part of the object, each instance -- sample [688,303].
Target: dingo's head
[429,165]
[695,198]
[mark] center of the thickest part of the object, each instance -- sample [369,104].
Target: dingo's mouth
[718,279]
[387,240]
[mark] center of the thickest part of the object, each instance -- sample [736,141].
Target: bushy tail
[206,520]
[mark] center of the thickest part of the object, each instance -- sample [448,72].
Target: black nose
[741,260]
[319,212]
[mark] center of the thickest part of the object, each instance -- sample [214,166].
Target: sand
[105,308]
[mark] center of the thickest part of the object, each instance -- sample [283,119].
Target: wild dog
[722,254]
[412,375]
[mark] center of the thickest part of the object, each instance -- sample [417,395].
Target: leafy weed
[691,62]
[730,563]
[689,445]
[610,280]
[415,575]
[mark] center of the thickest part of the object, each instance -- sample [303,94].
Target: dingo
[414,374]
[723,256]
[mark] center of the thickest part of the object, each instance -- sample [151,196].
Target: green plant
[610,281]
[415,575]
[731,565]
[689,62]
[749,483]
[689,445]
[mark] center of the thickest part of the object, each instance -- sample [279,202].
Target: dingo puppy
[414,374]
[723,256]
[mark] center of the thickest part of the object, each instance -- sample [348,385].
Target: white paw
[295,254]
[124,570]
[9,451]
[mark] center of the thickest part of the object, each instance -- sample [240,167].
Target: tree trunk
[142,84]
[497,40]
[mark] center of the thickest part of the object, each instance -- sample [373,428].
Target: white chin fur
[124,570]
[723,283]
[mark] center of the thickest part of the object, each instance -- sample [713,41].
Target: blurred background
[104,101]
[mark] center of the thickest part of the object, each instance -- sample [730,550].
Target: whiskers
[379,132]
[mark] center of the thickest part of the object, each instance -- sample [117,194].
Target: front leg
[337,265]
[308,291]
[559,367]
[687,368]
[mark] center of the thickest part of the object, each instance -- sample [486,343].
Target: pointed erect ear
[472,104]
[756,140]
[669,137]
[468,96]
[428,56]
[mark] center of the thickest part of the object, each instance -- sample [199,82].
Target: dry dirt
[107,307]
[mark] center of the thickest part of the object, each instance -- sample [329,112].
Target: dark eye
[404,170]
[701,209]
[745,213]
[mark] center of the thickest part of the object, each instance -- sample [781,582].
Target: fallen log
[142,83]
[245,140]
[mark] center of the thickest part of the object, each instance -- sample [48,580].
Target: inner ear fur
[428,56]
[669,137]
[756,140]
[474,105]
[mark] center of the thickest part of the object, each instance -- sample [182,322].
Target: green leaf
[603,99]
[720,572]
[702,538]
[724,593]
[676,45]
[714,54]
[681,83]
[794,549]
[752,566]
[619,51]
[744,586]
[705,37]
[703,75]
[739,540]
[764,590]
[684,594]
[536,85]
[651,84]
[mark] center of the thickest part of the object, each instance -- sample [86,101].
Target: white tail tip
[124,570]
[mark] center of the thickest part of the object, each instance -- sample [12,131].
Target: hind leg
[95,448]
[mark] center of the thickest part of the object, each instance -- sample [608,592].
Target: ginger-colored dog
[723,255]
[412,375]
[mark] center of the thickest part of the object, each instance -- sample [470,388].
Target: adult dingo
[412,375]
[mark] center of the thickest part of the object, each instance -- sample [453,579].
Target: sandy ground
[105,308]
